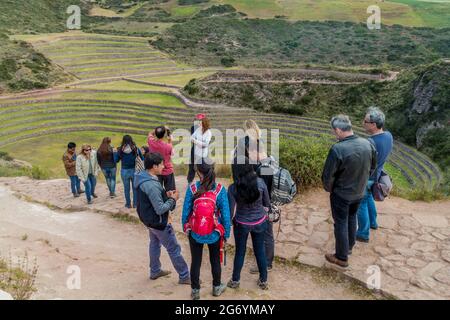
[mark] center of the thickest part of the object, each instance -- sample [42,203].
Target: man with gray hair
[349,164]
[382,140]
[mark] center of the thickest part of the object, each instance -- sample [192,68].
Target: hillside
[33,16]
[416,103]
[414,13]
[253,42]
[23,68]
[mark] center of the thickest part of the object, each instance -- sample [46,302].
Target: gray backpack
[283,187]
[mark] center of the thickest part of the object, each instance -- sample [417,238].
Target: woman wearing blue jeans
[249,204]
[127,154]
[105,158]
[87,169]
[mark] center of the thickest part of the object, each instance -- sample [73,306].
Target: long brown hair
[209,178]
[104,150]
[206,124]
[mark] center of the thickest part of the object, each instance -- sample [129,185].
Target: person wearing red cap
[191,173]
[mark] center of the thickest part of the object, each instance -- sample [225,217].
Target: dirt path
[112,256]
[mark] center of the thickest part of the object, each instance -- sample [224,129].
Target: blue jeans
[367,214]
[75,184]
[258,234]
[110,176]
[344,216]
[89,186]
[168,239]
[128,180]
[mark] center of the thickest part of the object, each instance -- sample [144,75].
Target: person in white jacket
[87,170]
[201,140]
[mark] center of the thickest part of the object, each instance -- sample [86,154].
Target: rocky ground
[411,247]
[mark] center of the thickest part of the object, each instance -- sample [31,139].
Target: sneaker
[331,258]
[94,195]
[162,273]
[90,202]
[195,294]
[128,206]
[374,227]
[112,195]
[255,270]
[217,291]
[185,281]
[233,284]
[76,195]
[362,240]
[350,252]
[263,285]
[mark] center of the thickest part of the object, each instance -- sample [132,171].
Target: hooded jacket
[128,157]
[153,205]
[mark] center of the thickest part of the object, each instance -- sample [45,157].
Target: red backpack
[203,220]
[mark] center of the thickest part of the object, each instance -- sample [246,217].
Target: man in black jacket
[349,164]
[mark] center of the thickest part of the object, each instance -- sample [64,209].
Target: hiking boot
[94,195]
[255,270]
[81,191]
[76,195]
[162,273]
[233,284]
[331,258]
[263,285]
[360,239]
[195,294]
[217,291]
[185,281]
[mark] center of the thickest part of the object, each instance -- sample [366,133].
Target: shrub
[305,159]
[18,278]
[5,156]
[190,2]
[39,173]
[228,62]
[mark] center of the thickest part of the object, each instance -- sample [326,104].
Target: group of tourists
[211,211]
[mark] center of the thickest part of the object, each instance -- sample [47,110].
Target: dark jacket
[107,161]
[153,205]
[249,213]
[128,157]
[349,164]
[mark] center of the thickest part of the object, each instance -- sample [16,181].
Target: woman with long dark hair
[127,154]
[105,158]
[249,204]
[206,218]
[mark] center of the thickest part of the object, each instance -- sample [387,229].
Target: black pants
[168,182]
[196,262]
[344,216]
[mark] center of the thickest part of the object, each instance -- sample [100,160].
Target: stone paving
[411,247]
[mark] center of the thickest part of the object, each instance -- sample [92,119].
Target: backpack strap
[218,189]
[193,188]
